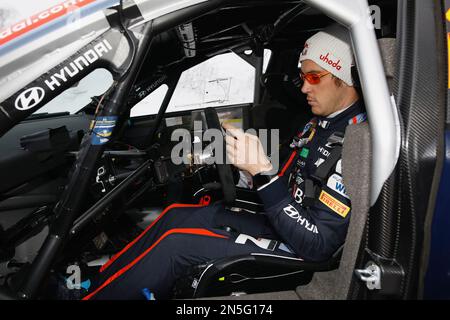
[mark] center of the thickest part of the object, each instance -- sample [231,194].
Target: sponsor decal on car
[29,98]
[103,129]
[44,17]
[334,204]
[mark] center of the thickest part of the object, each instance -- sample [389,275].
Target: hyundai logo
[29,98]
[292,212]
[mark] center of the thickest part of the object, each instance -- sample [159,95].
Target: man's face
[326,96]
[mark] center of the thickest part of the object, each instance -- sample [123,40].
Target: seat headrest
[387,50]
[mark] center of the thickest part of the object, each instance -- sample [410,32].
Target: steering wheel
[224,170]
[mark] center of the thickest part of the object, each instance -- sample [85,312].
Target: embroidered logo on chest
[335,183]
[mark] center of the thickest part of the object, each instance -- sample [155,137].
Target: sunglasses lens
[313,78]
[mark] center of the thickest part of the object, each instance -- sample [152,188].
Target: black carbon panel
[422,105]
[397,220]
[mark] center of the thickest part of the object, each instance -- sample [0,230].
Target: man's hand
[245,151]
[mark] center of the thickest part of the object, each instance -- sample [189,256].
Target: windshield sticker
[44,17]
[103,129]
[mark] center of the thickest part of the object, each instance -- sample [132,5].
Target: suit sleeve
[313,233]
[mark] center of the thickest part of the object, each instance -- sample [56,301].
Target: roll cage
[118,36]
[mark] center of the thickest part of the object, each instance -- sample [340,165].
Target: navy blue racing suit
[189,235]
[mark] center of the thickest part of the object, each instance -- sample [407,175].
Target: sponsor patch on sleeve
[334,204]
[44,17]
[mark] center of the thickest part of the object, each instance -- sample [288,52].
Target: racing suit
[306,216]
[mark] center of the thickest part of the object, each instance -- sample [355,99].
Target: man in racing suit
[307,209]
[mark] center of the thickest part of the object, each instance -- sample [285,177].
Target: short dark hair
[339,83]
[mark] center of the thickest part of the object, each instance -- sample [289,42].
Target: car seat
[312,280]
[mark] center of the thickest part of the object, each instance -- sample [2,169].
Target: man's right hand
[245,151]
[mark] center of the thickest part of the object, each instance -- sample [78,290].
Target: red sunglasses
[313,78]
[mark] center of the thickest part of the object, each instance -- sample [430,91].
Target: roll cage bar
[119,42]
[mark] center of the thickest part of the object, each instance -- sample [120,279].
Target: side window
[74,99]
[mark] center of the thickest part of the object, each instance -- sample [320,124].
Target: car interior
[135,179]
